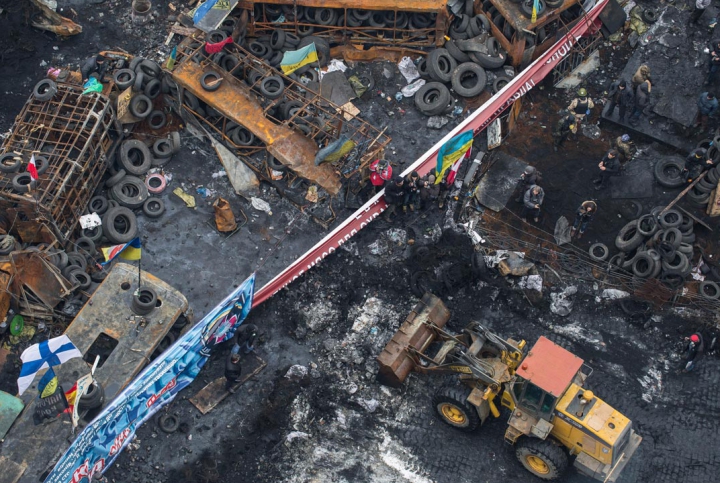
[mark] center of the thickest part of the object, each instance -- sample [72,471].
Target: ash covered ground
[316,413]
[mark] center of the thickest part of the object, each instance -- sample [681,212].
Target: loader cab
[543,377]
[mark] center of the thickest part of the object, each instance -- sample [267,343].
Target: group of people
[413,193]
[634,97]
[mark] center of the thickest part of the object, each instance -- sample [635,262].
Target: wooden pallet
[214,392]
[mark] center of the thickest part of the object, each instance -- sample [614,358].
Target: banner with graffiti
[97,446]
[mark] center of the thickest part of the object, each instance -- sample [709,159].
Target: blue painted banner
[100,443]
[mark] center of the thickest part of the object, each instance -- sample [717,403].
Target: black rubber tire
[634,307]
[191,100]
[129,78]
[22,182]
[460,23]
[156,120]
[452,401]
[604,252]
[76,260]
[325,16]
[673,178]
[457,54]
[422,281]
[153,88]
[291,40]
[168,423]
[209,77]
[140,163]
[150,69]
[673,281]
[115,179]
[422,68]
[275,165]
[140,106]
[704,185]
[649,15]
[526,7]
[45,90]
[647,225]
[80,278]
[432,98]
[687,238]
[153,207]
[95,233]
[440,65]
[670,219]
[61,260]
[272,87]
[464,71]
[215,36]
[144,301]
[686,248]
[162,148]
[139,81]
[93,398]
[553,3]
[679,263]
[85,246]
[644,265]
[672,236]
[41,164]
[321,46]
[489,61]
[629,238]
[277,39]
[554,457]
[112,233]
[242,137]
[10,163]
[709,290]
[687,224]
[131,192]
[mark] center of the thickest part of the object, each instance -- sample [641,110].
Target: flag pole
[139,281]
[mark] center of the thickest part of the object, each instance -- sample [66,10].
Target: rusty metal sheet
[34,272]
[4,292]
[214,392]
[234,100]
[355,53]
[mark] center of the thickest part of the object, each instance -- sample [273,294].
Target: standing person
[625,148]
[394,196]
[700,6]
[694,346]
[527,179]
[244,339]
[583,216]
[641,75]
[714,61]
[563,128]
[412,191]
[233,372]
[695,163]
[533,200]
[581,105]
[429,191]
[622,97]
[608,167]
[707,106]
[642,100]
[380,172]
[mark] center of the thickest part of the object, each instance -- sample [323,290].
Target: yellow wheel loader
[553,419]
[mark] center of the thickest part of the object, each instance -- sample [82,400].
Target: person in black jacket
[642,100]
[394,196]
[412,186]
[714,61]
[696,162]
[694,347]
[527,179]
[244,339]
[609,166]
[96,64]
[619,95]
[532,201]
[563,128]
[233,371]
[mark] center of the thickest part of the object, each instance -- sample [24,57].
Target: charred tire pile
[147,82]
[656,246]
[462,64]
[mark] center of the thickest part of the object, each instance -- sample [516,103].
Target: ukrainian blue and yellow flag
[170,65]
[294,59]
[129,251]
[48,384]
[450,152]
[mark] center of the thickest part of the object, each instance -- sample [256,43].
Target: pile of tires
[656,245]
[668,172]
[147,82]
[15,166]
[462,64]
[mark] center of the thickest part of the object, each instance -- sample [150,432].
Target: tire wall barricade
[478,121]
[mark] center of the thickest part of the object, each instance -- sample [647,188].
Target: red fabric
[478,121]
[32,169]
[215,48]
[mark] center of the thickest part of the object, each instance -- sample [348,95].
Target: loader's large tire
[542,458]
[452,407]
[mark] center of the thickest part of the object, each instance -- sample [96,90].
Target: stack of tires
[15,166]
[147,81]
[669,173]
[653,246]
[461,64]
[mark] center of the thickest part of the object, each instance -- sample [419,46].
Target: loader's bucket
[395,364]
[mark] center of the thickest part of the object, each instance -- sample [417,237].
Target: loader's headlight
[605,450]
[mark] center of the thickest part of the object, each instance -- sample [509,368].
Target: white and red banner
[520,85]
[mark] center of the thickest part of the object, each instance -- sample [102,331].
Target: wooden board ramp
[214,392]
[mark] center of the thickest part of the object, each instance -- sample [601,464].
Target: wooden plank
[185,31]
[683,193]
[713,208]
[695,218]
[214,392]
